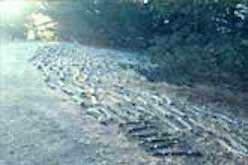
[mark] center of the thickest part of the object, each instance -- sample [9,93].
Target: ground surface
[66,104]
[38,127]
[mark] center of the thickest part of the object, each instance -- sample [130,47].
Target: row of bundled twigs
[101,86]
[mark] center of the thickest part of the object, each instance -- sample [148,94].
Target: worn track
[99,84]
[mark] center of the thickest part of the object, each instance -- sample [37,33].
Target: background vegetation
[193,41]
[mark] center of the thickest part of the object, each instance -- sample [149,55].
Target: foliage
[202,41]
[193,41]
[106,22]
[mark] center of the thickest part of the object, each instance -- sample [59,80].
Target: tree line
[191,40]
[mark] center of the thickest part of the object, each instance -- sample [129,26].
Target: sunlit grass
[11,9]
[41,27]
[22,16]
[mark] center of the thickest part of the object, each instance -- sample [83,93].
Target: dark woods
[202,41]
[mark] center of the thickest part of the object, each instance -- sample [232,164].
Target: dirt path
[98,110]
[38,126]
